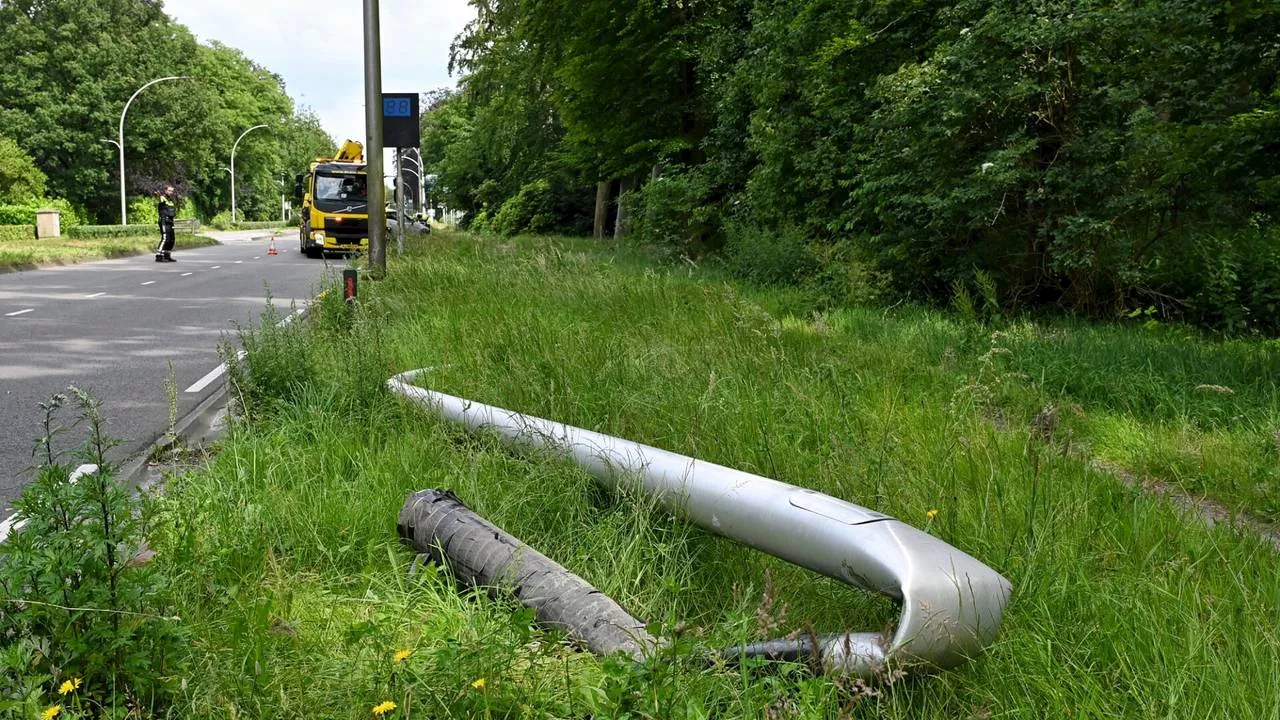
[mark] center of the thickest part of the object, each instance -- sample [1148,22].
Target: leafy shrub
[1230,282]
[100,232]
[221,221]
[768,256]
[143,211]
[532,209]
[479,222]
[25,213]
[17,233]
[80,602]
[674,211]
[20,179]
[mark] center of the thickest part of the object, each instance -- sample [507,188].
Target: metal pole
[124,203]
[399,202]
[373,139]
[233,169]
[952,604]
[417,161]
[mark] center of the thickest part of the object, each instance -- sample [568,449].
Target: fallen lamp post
[952,604]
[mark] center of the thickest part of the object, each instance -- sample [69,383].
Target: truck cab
[334,197]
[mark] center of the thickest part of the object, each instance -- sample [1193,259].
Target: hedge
[17,232]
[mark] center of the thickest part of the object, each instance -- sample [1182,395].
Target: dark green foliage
[1097,156]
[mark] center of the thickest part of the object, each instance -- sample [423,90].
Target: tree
[20,179]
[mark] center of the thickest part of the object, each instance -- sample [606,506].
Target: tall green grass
[299,593]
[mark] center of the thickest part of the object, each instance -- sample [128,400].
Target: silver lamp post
[124,203]
[234,221]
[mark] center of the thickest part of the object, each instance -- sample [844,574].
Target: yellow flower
[931,514]
[69,686]
[402,656]
[51,712]
[478,684]
[383,708]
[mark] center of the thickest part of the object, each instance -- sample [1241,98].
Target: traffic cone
[272,250]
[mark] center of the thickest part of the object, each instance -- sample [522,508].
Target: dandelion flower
[402,656]
[931,514]
[69,686]
[51,712]
[478,684]
[383,708]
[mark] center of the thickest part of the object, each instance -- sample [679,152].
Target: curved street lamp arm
[124,206]
[138,92]
[246,132]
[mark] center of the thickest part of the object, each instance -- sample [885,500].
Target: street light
[233,169]
[124,203]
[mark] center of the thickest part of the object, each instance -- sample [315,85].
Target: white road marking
[257,257]
[215,267]
[20,312]
[95,295]
[292,316]
[186,274]
[10,525]
[149,282]
[239,261]
[213,374]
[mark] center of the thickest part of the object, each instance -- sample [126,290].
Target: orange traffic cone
[272,250]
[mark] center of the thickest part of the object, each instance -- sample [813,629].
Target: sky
[317,47]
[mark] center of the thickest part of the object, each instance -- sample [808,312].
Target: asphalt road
[113,327]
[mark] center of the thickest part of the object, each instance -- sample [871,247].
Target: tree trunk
[622,221]
[602,207]
[480,554]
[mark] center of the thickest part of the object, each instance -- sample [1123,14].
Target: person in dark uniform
[168,209]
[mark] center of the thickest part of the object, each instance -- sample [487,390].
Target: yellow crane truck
[334,195]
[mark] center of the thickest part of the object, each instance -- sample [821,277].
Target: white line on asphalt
[213,374]
[215,267]
[239,261]
[20,312]
[9,525]
[257,257]
[95,295]
[149,282]
[186,274]
[292,316]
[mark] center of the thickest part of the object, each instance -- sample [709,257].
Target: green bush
[20,178]
[25,213]
[17,232]
[261,225]
[99,232]
[479,222]
[673,211]
[529,210]
[221,221]
[768,256]
[143,210]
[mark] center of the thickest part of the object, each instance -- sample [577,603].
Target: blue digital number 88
[397,107]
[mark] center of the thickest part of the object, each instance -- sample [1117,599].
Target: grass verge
[16,254]
[297,598]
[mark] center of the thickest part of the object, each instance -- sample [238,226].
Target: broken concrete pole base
[480,554]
